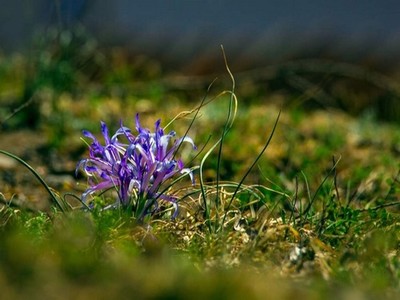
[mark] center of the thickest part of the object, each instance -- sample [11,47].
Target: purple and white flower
[135,165]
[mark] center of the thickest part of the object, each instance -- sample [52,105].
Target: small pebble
[7,162]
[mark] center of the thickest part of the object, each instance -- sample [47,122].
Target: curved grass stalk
[274,191]
[195,110]
[54,198]
[76,198]
[251,167]
[253,190]
[231,116]
[312,200]
[153,201]
[228,125]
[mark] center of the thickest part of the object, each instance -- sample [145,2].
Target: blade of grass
[36,174]
[227,126]
[311,202]
[252,165]
[196,112]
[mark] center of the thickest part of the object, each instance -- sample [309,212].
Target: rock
[7,162]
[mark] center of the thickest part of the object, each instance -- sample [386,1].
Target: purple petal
[104,130]
[89,135]
[139,164]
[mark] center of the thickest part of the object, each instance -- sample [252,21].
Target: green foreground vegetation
[317,217]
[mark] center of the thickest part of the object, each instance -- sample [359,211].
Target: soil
[18,184]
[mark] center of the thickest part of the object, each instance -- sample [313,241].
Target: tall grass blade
[311,202]
[251,167]
[54,198]
[227,126]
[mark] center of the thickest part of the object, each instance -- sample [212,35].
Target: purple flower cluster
[136,167]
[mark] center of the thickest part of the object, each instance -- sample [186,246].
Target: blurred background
[330,53]
[254,33]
